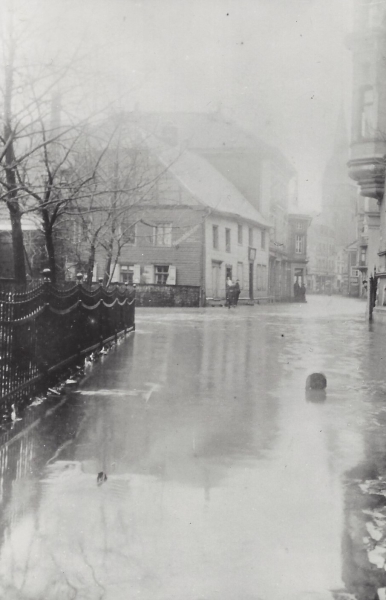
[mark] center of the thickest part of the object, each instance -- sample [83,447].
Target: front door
[216,267]
[251,280]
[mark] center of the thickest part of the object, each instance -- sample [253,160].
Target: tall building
[368,137]
[339,193]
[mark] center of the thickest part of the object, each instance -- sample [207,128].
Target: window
[128,233]
[299,244]
[367,112]
[354,272]
[261,272]
[77,232]
[263,239]
[163,234]
[264,279]
[161,273]
[240,274]
[240,235]
[127,274]
[250,236]
[215,236]
[227,240]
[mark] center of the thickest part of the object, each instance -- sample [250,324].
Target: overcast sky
[278,67]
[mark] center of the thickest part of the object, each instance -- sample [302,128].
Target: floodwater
[225,480]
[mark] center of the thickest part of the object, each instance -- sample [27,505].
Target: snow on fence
[47,328]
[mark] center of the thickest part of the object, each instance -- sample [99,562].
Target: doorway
[216,270]
[251,280]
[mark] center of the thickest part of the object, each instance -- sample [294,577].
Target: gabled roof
[205,184]
[209,131]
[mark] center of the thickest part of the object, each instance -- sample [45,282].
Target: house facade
[298,225]
[368,141]
[197,230]
[322,275]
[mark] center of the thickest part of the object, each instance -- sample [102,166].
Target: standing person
[303,292]
[237,292]
[229,287]
[296,289]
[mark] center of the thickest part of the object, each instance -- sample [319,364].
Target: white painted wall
[238,254]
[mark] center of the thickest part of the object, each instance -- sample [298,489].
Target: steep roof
[209,131]
[205,184]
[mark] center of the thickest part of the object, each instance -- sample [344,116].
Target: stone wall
[168,295]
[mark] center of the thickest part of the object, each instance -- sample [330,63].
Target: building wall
[237,259]
[322,276]
[184,251]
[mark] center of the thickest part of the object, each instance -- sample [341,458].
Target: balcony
[369,173]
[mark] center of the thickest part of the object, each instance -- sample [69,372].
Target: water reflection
[225,480]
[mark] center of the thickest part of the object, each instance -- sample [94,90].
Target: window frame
[127,269]
[215,237]
[299,244]
[159,271]
[239,234]
[228,242]
[161,235]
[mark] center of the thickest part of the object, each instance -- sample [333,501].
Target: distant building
[322,275]
[33,243]
[298,224]
[339,193]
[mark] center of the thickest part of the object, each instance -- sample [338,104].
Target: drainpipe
[203,263]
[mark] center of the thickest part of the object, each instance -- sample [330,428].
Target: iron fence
[47,328]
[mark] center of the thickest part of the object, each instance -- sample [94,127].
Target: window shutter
[115,272]
[148,273]
[137,274]
[171,276]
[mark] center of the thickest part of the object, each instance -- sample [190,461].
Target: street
[225,481]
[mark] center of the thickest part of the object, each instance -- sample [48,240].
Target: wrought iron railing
[47,328]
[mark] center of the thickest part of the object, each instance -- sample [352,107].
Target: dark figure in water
[101,478]
[316,381]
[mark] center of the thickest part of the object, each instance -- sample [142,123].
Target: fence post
[46,302]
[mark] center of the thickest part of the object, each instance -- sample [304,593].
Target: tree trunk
[17,242]
[50,246]
[90,266]
[106,276]
[9,166]
[51,254]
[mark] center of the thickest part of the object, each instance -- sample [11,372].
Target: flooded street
[225,481]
